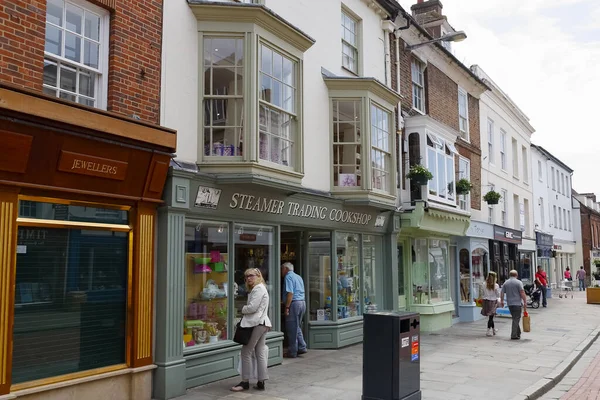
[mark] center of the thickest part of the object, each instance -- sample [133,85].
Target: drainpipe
[386,50]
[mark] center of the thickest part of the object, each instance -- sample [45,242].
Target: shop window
[76,51]
[319,270]
[348,273]
[479,265]
[223,96]
[372,268]
[253,249]
[71,212]
[70,298]
[525,266]
[465,276]
[206,286]
[430,271]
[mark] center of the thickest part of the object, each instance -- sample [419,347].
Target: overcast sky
[545,54]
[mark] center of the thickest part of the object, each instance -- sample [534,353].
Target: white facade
[505,161]
[553,211]
[321,20]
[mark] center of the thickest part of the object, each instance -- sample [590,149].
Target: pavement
[456,363]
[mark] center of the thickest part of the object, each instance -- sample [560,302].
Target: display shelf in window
[206,306]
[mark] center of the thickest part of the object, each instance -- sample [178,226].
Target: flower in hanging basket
[419,174]
[492,197]
[463,186]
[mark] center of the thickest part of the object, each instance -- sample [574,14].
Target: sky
[545,54]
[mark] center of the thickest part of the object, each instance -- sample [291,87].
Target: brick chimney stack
[428,14]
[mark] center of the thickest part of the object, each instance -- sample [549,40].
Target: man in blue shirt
[295,307]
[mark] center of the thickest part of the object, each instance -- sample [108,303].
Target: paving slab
[456,363]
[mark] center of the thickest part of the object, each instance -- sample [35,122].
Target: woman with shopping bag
[252,331]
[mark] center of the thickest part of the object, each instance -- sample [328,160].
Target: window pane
[348,282]
[266,64]
[50,73]
[288,72]
[50,92]
[86,102]
[319,269]
[253,249]
[53,40]
[431,166]
[86,84]
[72,47]
[225,118]
[207,283]
[70,301]
[67,96]
[276,137]
[74,18]
[223,51]
[346,140]
[70,212]
[420,272]
[54,12]
[450,177]
[92,26]
[441,175]
[68,79]
[372,259]
[90,54]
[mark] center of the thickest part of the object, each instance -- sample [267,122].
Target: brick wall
[590,236]
[22,35]
[442,99]
[134,52]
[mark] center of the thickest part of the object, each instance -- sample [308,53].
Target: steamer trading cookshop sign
[210,198]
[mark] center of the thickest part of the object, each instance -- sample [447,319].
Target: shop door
[292,250]
[402,290]
[454,280]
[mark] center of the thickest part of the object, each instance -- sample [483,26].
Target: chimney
[428,14]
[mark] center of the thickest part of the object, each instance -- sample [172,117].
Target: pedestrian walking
[516,300]
[568,274]
[491,295]
[581,277]
[541,276]
[295,307]
[255,316]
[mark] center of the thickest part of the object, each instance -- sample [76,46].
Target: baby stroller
[534,294]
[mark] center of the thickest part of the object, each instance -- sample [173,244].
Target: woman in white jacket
[255,314]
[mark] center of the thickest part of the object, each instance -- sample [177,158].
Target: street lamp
[458,36]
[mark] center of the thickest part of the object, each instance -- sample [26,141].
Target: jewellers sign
[286,209]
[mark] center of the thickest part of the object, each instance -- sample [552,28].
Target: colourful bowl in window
[202,260]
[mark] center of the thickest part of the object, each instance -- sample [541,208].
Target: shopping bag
[526,322]
[253,367]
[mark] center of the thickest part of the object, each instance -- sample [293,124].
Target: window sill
[244,171]
[441,200]
[417,110]
[344,321]
[359,195]
[350,71]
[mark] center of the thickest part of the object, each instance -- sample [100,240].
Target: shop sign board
[236,202]
[503,234]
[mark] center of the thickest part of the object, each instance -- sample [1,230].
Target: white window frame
[515,157]
[562,182]
[463,112]
[441,147]
[354,47]
[417,73]
[540,172]
[566,227]
[542,212]
[568,185]
[490,134]
[555,219]
[503,149]
[101,81]
[569,219]
[504,211]
[464,200]
[558,180]
[553,178]
[560,219]
[526,214]
[525,164]
[491,207]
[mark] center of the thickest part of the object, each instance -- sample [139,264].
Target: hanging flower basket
[419,174]
[463,186]
[492,197]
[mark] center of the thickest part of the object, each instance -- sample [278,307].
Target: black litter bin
[391,356]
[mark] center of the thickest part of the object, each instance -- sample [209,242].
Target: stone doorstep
[551,379]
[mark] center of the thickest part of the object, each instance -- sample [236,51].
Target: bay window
[440,162]
[363,138]
[251,91]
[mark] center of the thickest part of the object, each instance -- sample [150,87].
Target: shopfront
[79,190]
[427,250]
[211,232]
[545,256]
[564,253]
[473,265]
[503,251]
[527,260]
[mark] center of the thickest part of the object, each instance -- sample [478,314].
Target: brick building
[83,163]
[589,214]
[439,117]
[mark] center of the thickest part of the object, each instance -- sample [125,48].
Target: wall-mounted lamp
[457,36]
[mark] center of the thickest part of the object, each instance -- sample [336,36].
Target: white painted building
[506,168]
[553,211]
